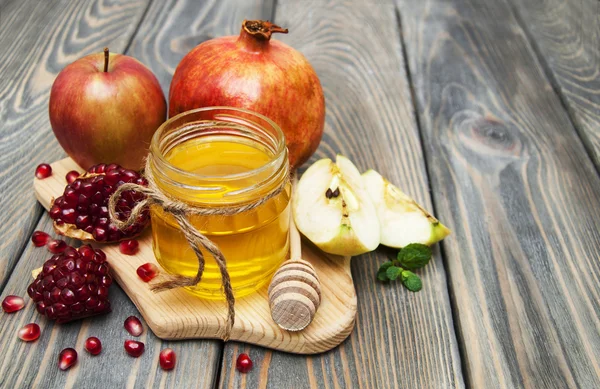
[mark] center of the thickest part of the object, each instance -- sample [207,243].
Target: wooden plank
[567,35]
[35,365]
[37,40]
[513,181]
[401,339]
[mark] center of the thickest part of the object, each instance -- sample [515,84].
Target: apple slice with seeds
[402,220]
[333,210]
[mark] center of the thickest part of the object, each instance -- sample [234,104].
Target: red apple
[105,108]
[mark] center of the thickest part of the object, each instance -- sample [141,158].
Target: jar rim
[279,151]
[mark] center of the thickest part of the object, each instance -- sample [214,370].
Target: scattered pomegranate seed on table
[167,359]
[43,171]
[129,247]
[12,304]
[93,345]
[67,358]
[243,363]
[134,348]
[133,325]
[29,332]
[56,246]
[71,176]
[147,272]
[72,285]
[40,238]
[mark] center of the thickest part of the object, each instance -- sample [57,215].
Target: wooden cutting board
[177,314]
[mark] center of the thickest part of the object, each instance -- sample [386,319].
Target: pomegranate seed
[147,271]
[243,363]
[129,247]
[133,325]
[43,171]
[57,246]
[12,304]
[71,176]
[167,359]
[67,358]
[134,348]
[93,345]
[30,332]
[40,238]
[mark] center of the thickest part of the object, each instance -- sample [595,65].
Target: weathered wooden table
[487,112]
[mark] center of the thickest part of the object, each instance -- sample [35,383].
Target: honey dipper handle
[295,240]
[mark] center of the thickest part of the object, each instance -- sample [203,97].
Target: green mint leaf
[411,281]
[385,265]
[393,272]
[414,256]
[382,275]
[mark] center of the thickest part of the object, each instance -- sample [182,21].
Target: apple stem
[105,59]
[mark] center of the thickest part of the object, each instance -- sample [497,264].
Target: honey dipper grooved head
[294,295]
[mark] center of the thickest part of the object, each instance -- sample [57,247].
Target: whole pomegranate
[259,74]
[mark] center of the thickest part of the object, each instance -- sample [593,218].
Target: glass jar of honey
[223,157]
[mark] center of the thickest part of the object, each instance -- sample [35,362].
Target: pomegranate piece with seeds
[12,304]
[29,332]
[167,359]
[72,285]
[147,272]
[134,348]
[40,238]
[67,358]
[243,363]
[93,345]
[43,171]
[57,246]
[82,211]
[133,325]
[129,247]
[71,176]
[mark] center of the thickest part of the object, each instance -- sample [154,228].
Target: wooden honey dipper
[295,290]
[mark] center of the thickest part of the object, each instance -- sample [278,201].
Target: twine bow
[181,212]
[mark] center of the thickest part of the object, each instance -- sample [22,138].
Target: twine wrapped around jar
[181,212]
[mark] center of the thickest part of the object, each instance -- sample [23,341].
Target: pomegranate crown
[262,28]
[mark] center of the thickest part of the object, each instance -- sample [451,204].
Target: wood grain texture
[401,339]
[567,36]
[514,183]
[35,364]
[177,314]
[37,40]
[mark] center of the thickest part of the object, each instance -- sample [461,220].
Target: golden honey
[215,157]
